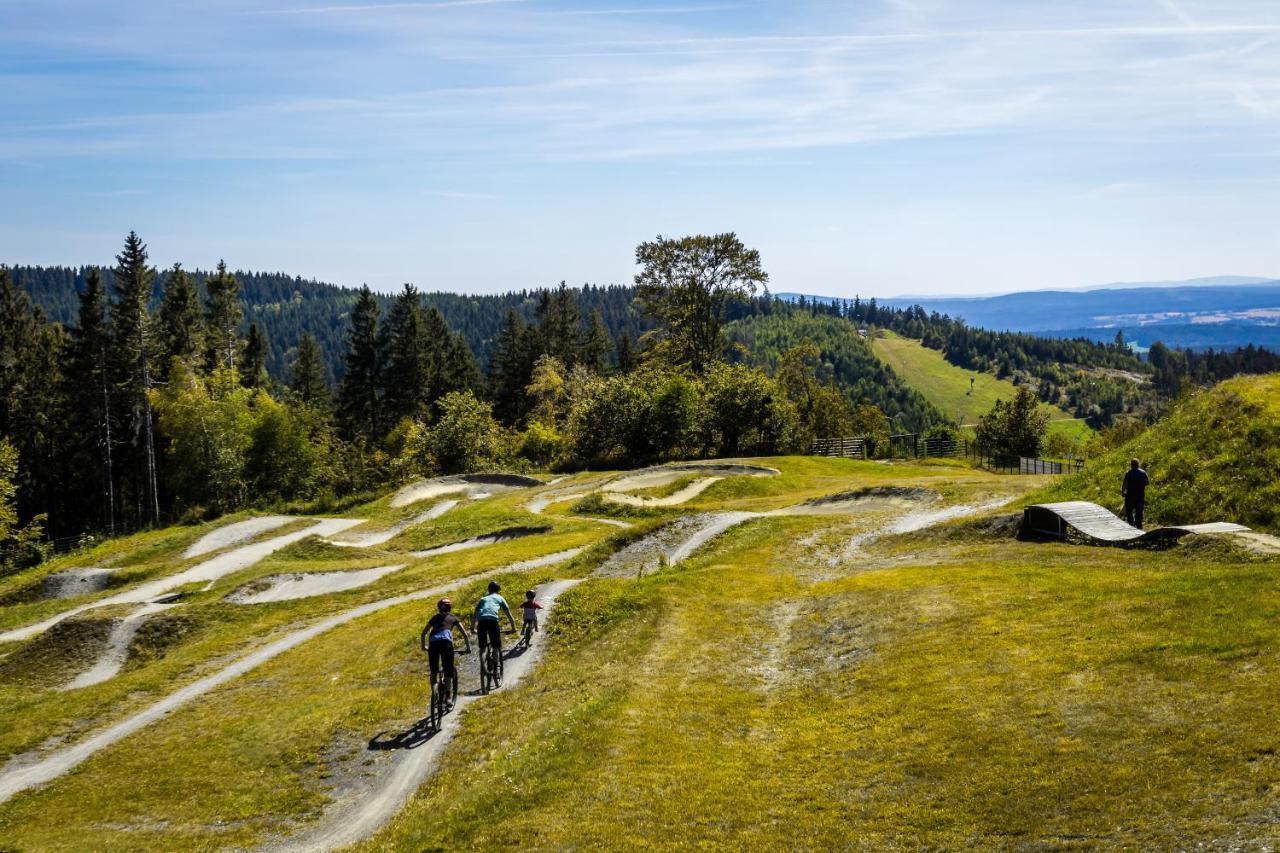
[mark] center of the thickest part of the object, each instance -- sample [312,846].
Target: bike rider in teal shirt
[484,621]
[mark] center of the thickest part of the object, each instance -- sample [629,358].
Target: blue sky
[880,148]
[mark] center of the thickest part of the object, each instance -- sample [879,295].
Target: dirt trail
[24,771]
[379,537]
[481,541]
[235,533]
[676,498]
[116,654]
[307,585]
[351,822]
[912,521]
[208,571]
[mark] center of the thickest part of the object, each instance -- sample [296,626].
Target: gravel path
[208,571]
[354,821]
[235,533]
[22,772]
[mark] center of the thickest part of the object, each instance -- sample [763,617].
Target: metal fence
[915,446]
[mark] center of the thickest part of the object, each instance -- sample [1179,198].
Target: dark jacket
[1135,484]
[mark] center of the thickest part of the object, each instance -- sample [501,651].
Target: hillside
[847,359]
[948,387]
[944,688]
[1215,457]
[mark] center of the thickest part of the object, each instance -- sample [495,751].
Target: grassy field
[785,686]
[948,388]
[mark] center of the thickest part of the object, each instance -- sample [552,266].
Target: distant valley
[1228,311]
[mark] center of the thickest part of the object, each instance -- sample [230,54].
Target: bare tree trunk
[106,458]
[153,502]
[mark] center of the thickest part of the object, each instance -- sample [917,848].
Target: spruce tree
[625,357]
[223,314]
[180,322]
[30,403]
[307,375]
[359,397]
[134,348]
[90,427]
[409,348]
[595,346]
[509,369]
[458,368]
[558,321]
[253,370]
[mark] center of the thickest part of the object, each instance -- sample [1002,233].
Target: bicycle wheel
[438,694]
[498,666]
[486,673]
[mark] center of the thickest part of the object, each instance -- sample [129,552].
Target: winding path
[209,571]
[344,826]
[21,775]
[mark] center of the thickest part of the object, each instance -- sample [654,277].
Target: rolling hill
[949,389]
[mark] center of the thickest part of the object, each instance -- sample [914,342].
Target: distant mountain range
[1225,311]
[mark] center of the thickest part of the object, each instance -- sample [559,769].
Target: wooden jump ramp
[1103,527]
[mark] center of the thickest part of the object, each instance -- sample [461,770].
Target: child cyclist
[437,640]
[529,610]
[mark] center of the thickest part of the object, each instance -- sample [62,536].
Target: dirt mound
[59,654]
[661,475]
[511,481]
[906,493]
[65,584]
[479,541]
[287,587]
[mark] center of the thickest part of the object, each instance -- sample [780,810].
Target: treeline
[288,308]
[156,404]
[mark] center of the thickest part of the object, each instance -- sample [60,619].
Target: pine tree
[307,376]
[180,322]
[253,372]
[223,314]
[458,370]
[90,426]
[30,403]
[134,347]
[409,349]
[558,321]
[509,369]
[359,396]
[595,346]
[625,357]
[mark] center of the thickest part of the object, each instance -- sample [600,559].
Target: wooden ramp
[1103,527]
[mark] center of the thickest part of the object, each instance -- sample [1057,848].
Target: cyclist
[486,617]
[437,640]
[529,611]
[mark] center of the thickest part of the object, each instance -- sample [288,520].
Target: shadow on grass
[412,738]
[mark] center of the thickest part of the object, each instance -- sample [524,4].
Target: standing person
[1134,489]
[484,621]
[437,640]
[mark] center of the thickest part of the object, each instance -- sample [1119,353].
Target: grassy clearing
[947,386]
[950,688]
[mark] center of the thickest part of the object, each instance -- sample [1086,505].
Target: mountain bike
[491,666]
[526,633]
[442,695]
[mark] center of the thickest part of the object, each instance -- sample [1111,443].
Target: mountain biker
[486,617]
[437,640]
[529,611]
[1134,489]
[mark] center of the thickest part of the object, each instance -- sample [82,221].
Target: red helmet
[445,605]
